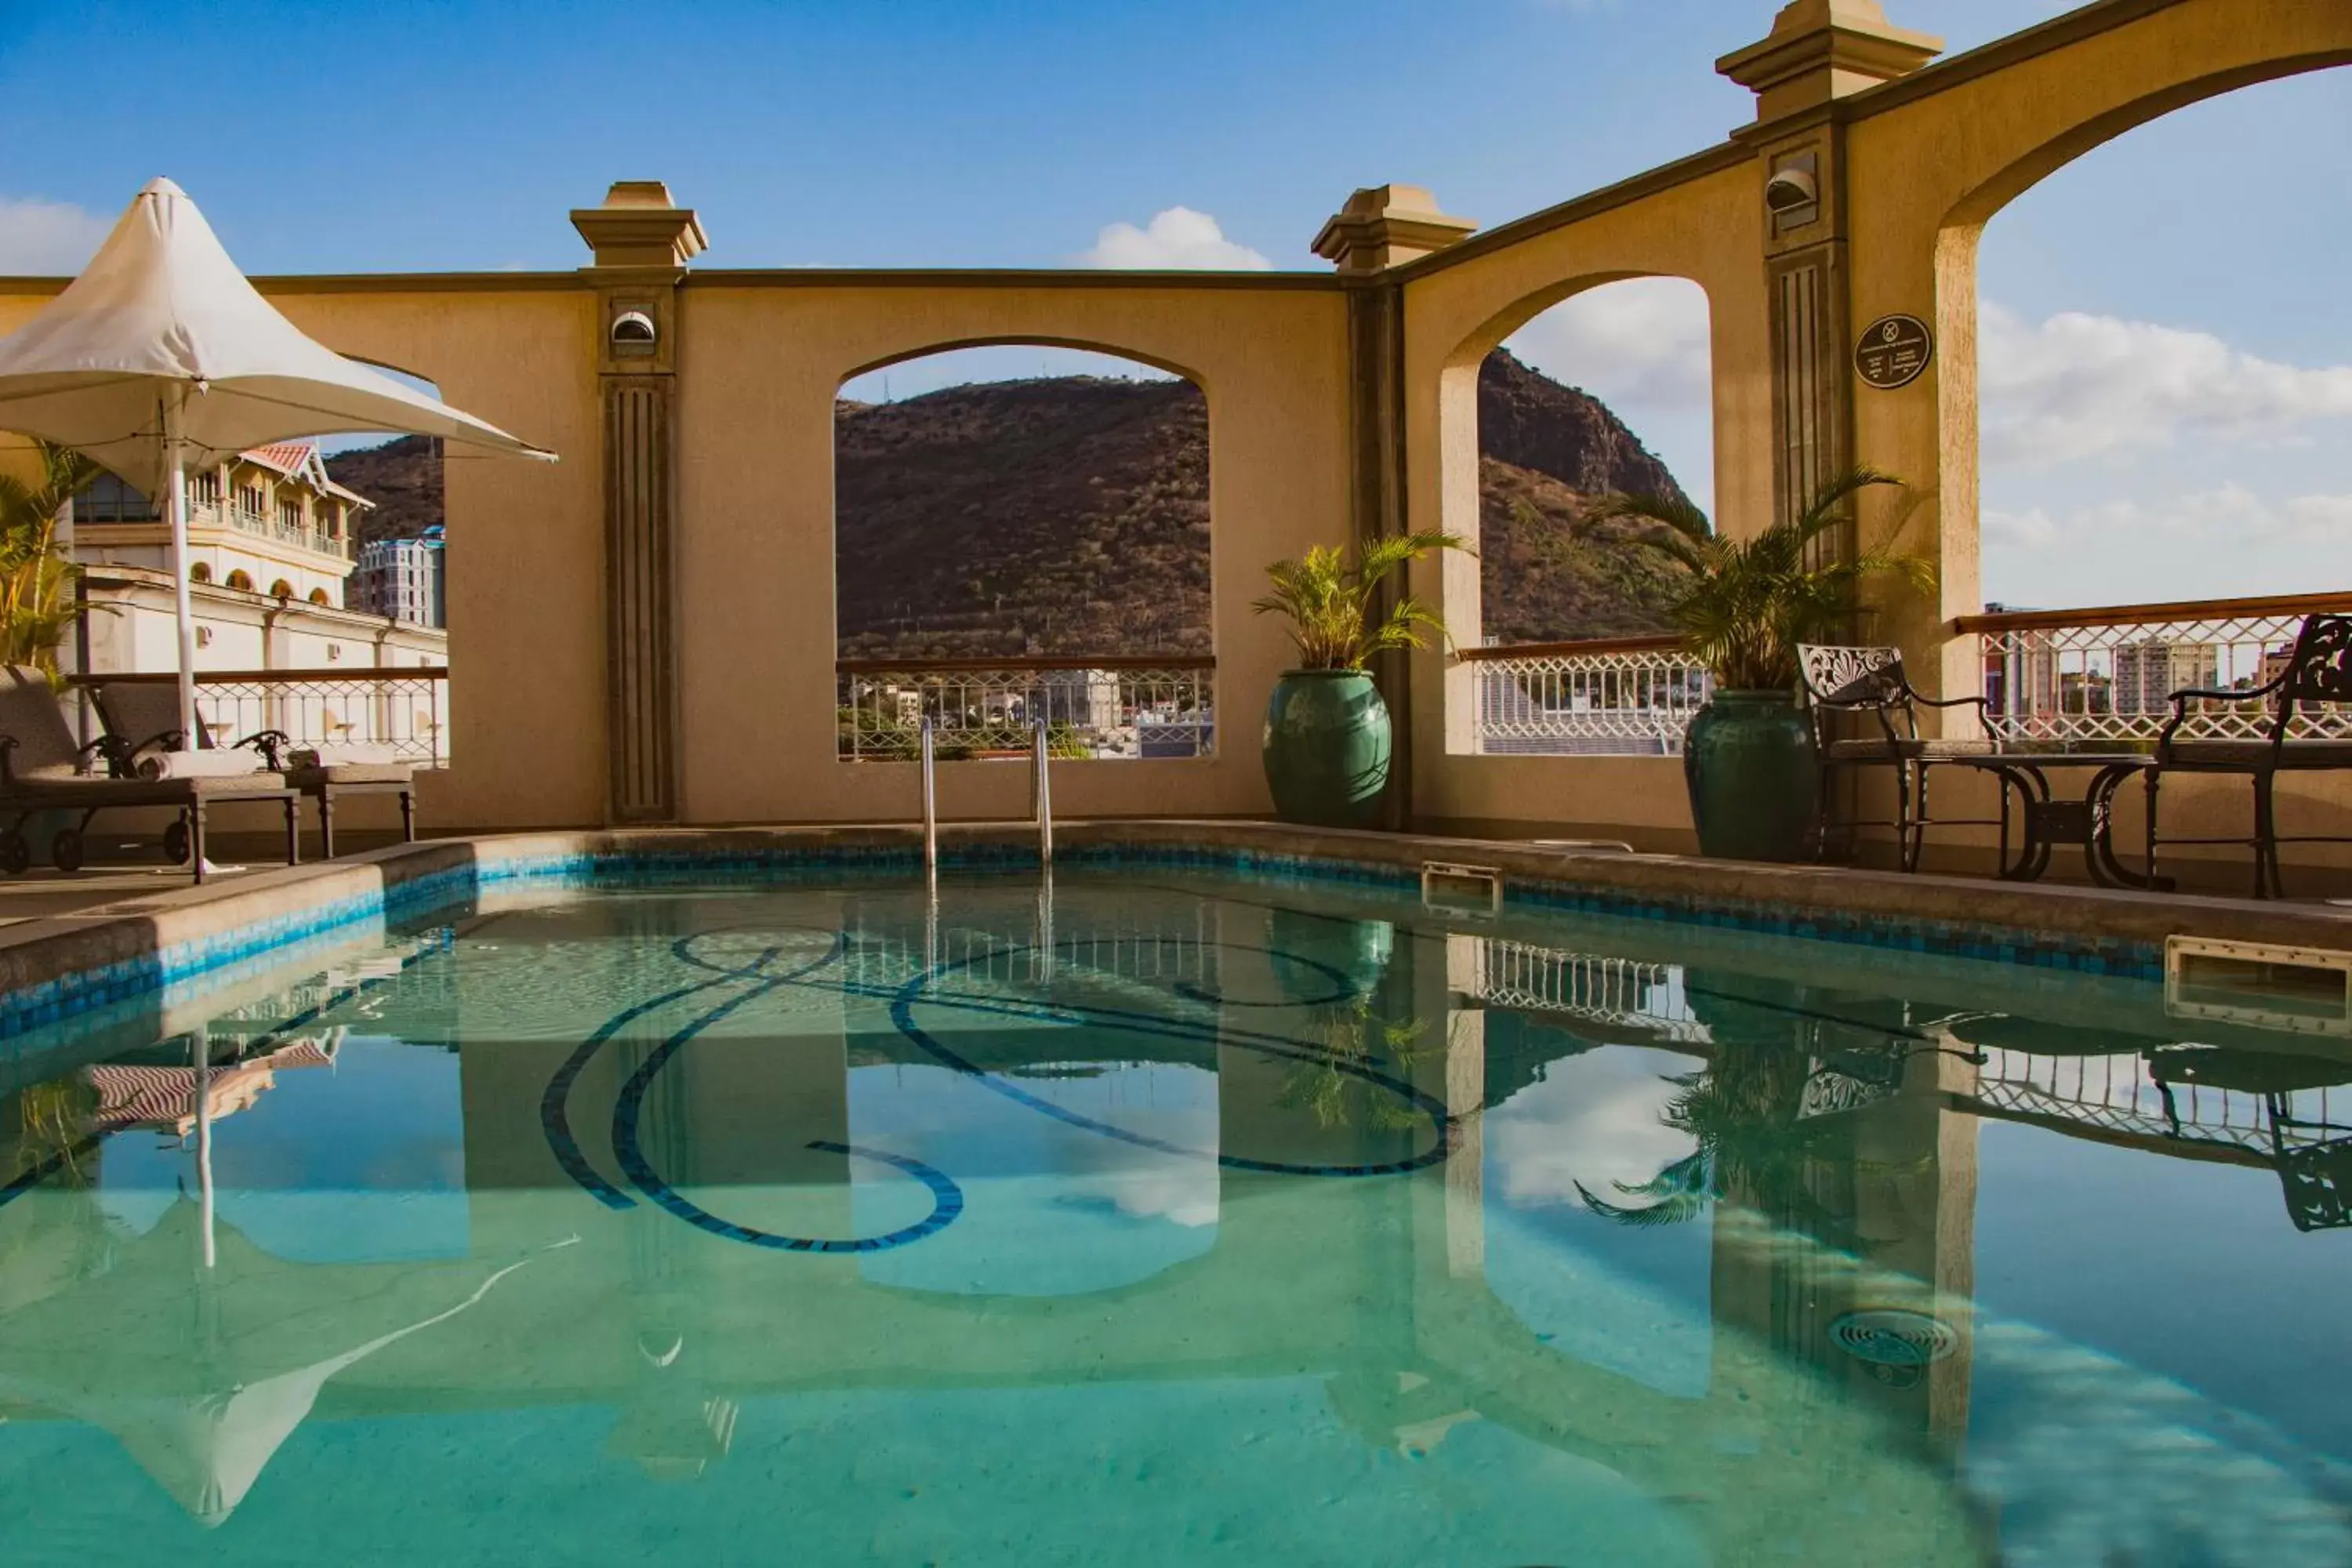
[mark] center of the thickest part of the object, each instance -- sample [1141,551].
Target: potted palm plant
[1743,607]
[1328,741]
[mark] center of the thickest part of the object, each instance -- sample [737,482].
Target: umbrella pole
[175,453]
[200,1046]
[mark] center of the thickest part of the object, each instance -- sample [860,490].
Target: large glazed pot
[1754,776]
[1326,748]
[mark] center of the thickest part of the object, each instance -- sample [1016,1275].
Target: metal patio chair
[1842,680]
[2317,671]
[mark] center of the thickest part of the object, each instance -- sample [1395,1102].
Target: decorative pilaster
[1819,51]
[1381,226]
[642,241]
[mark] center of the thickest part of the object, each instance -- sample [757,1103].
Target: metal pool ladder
[1041,796]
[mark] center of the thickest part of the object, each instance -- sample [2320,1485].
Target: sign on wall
[1893,351]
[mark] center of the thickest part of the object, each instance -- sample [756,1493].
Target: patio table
[2048,819]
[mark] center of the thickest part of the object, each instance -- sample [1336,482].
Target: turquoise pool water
[1154,1218]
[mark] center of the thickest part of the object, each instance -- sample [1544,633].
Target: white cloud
[1643,341]
[2082,385]
[41,238]
[1176,237]
[2229,515]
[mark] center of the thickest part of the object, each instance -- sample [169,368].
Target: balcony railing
[2106,677]
[405,711]
[218,514]
[1135,706]
[1609,697]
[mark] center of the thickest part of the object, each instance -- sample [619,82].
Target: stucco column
[1379,229]
[642,241]
[1820,52]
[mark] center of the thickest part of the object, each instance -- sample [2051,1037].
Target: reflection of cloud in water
[1049,1209]
[1594,1119]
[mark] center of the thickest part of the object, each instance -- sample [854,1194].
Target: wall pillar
[1379,229]
[1819,51]
[642,241]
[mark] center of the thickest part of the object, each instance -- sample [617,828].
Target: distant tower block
[1384,225]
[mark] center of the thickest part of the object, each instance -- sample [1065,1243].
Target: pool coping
[57,966]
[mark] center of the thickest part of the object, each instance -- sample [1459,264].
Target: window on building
[200,572]
[318,596]
[204,489]
[241,579]
[289,512]
[109,499]
[282,589]
[250,499]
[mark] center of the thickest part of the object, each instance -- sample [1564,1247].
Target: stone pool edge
[59,966]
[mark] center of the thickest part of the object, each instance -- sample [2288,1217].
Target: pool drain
[1893,1337]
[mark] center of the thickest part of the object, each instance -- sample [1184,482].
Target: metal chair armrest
[271,744]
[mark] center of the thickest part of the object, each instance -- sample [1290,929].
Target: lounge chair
[42,768]
[144,716]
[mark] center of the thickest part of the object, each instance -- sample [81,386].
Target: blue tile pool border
[244,947]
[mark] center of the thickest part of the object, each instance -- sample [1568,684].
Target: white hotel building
[270,549]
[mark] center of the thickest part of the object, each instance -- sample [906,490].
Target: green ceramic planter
[1326,748]
[1754,776]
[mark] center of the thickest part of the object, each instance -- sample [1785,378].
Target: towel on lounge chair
[205,764]
[347,753]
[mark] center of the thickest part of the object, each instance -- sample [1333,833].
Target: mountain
[403,478]
[1063,515]
[1544,449]
[1070,515]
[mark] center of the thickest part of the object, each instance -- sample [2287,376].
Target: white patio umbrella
[161,354]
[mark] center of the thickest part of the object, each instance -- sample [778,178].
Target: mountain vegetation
[1070,515]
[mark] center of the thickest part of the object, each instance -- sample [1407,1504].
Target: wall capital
[1824,49]
[1382,225]
[639,225]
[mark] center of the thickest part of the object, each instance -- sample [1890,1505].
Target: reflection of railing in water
[2122,1095]
[1621,991]
[880,958]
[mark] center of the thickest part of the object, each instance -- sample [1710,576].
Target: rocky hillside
[1071,515]
[403,478]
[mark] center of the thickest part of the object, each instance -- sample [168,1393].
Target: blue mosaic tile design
[263,944]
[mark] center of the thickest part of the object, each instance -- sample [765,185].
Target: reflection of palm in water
[1346,1039]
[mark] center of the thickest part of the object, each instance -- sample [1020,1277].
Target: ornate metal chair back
[2318,671]
[1857,679]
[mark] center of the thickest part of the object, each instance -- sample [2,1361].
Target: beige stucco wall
[759,365]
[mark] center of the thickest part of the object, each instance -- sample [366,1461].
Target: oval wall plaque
[1894,350]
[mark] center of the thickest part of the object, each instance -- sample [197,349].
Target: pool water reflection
[1167,1220]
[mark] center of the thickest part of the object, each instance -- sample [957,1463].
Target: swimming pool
[1152,1216]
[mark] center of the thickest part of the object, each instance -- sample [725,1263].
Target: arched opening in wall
[1609,390]
[282,589]
[200,572]
[241,580]
[394,565]
[1021,535]
[2164,412]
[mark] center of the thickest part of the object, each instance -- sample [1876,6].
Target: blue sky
[2159,374]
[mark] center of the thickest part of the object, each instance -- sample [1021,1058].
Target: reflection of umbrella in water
[202,1382]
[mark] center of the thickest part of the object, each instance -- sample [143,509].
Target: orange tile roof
[286,456]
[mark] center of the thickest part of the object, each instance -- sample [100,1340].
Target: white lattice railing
[2065,676]
[403,711]
[1128,707]
[1627,697]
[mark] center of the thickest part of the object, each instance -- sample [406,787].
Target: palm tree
[1746,603]
[1329,600]
[37,581]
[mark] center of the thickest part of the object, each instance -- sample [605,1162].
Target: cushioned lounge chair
[144,716]
[1869,680]
[42,768]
